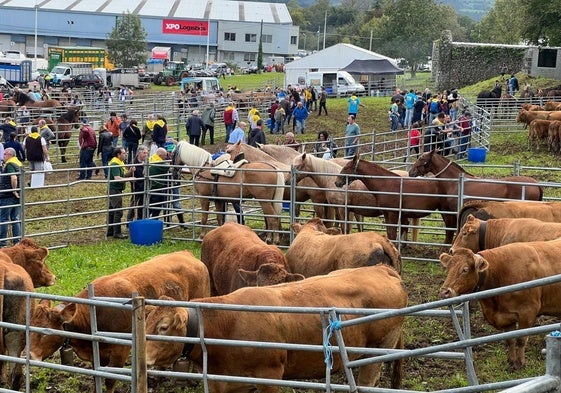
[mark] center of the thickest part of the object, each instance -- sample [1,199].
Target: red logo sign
[173,26]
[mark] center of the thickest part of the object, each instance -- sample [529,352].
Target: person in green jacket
[118,175]
[158,171]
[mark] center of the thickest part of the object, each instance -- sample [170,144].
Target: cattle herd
[543,123]
[498,244]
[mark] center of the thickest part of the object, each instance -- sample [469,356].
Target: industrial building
[199,31]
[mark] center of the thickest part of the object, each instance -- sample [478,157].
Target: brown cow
[506,265]
[531,107]
[313,252]
[178,275]
[31,257]
[231,247]
[554,136]
[367,287]
[538,131]
[552,106]
[484,210]
[526,117]
[480,235]
[13,310]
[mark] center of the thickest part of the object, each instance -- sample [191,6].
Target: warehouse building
[201,30]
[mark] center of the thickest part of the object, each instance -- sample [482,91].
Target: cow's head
[268,274]
[165,321]
[314,225]
[31,257]
[464,271]
[42,346]
[468,235]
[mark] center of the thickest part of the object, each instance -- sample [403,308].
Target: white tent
[331,59]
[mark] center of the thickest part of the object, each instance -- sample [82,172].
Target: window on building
[251,38]
[249,56]
[228,56]
[547,58]
[83,42]
[293,40]
[18,38]
[50,40]
[229,36]
[267,38]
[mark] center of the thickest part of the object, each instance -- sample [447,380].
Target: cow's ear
[303,156]
[332,231]
[481,263]
[45,303]
[470,218]
[296,227]
[445,259]
[67,313]
[180,318]
[149,309]
[290,277]
[248,277]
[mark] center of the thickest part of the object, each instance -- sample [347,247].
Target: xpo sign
[173,26]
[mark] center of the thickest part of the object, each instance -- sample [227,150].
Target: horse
[505,188]
[63,129]
[306,189]
[400,198]
[22,99]
[8,108]
[489,99]
[259,180]
[356,199]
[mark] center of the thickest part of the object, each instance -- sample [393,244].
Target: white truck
[335,82]
[62,73]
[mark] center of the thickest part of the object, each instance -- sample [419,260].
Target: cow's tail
[279,193]
[397,365]
[394,257]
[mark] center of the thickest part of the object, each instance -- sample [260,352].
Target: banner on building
[175,26]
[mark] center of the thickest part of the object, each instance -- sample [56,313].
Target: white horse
[258,180]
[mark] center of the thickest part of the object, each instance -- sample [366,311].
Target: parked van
[336,83]
[205,84]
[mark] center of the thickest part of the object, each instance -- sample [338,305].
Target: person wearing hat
[194,127]
[88,143]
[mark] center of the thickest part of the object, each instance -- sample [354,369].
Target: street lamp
[304,34]
[70,23]
[318,40]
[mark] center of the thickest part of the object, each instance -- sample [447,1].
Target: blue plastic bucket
[286,206]
[146,232]
[477,154]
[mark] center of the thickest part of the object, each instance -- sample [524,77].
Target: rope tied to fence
[333,325]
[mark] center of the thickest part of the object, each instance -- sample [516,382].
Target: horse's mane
[386,172]
[323,166]
[445,161]
[192,155]
[70,116]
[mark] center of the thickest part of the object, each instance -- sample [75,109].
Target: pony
[489,99]
[400,198]
[259,180]
[306,188]
[505,188]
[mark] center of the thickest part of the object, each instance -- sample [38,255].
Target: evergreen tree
[126,45]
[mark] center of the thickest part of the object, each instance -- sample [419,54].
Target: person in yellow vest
[148,130]
[9,197]
[118,175]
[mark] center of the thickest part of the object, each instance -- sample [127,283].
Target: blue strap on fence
[333,325]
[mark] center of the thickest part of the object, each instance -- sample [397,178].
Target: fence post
[553,355]
[140,377]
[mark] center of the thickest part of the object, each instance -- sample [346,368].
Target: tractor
[172,74]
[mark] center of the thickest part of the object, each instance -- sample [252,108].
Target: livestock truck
[79,54]
[16,71]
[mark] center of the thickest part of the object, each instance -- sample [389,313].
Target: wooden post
[140,377]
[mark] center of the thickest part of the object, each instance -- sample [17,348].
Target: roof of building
[225,10]
[337,56]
